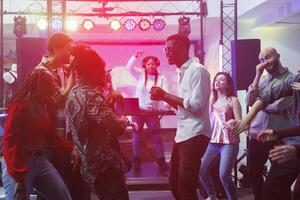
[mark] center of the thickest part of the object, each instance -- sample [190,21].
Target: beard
[273,68]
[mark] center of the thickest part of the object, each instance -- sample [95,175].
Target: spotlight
[159,24]
[144,24]
[88,24]
[42,24]
[56,24]
[11,75]
[115,24]
[184,26]
[72,25]
[130,24]
[19,26]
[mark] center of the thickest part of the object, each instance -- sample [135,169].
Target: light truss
[228,33]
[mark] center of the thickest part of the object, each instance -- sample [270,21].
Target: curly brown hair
[90,67]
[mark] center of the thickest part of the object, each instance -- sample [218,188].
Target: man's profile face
[63,54]
[172,51]
[270,58]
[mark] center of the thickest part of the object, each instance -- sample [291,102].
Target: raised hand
[260,69]
[139,53]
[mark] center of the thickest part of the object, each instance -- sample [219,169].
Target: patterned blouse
[93,128]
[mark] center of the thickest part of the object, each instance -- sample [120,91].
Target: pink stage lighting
[144,24]
[115,25]
[88,24]
[130,24]
[159,24]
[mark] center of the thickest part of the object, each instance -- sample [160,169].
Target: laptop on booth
[130,107]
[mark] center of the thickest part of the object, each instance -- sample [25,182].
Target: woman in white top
[146,79]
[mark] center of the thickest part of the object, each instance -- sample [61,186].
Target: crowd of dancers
[61,137]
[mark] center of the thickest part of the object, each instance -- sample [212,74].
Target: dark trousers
[110,185]
[258,154]
[185,165]
[78,188]
[279,180]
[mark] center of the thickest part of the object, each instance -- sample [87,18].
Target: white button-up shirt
[194,88]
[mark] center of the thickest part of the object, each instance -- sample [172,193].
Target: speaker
[244,58]
[29,55]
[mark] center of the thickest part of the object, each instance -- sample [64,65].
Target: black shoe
[136,164]
[162,164]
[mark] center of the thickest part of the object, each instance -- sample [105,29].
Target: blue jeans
[228,153]
[153,125]
[42,176]
[185,164]
[8,182]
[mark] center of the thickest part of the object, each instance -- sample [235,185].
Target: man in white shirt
[193,125]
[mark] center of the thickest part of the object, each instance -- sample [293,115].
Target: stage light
[19,26]
[10,76]
[72,25]
[130,24]
[56,24]
[42,24]
[115,24]
[88,24]
[159,24]
[184,26]
[144,24]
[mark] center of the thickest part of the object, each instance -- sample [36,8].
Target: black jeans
[110,185]
[185,165]
[279,180]
[258,154]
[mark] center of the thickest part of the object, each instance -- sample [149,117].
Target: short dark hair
[90,67]
[146,59]
[57,40]
[181,39]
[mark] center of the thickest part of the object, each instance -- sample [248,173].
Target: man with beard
[193,126]
[278,115]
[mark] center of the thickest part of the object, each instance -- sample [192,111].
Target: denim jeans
[42,176]
[110,185]
[185,164]
[8,182]
[228,153]
[153,125]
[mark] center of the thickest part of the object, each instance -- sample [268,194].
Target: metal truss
[228,33]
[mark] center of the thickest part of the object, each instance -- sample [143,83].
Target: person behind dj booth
[146,78]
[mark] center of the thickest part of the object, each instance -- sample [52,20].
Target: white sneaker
[212,198]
